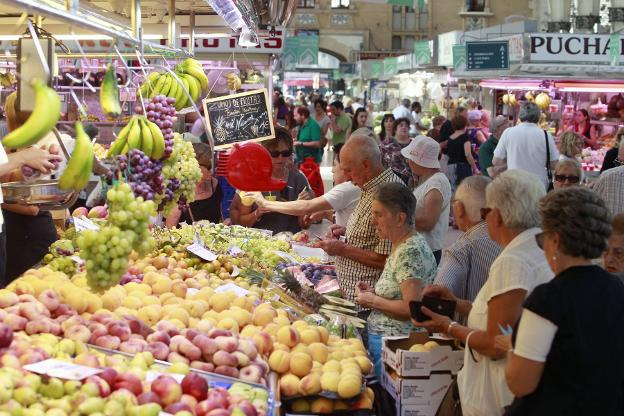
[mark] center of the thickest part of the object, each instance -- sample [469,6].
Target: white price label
[202,252]
[265,232]
[231,287]
[286,257]
[235,251]
[83,223]
[62,369]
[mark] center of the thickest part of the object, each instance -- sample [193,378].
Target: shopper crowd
[525,264]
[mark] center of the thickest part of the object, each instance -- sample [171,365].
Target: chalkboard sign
[239,117]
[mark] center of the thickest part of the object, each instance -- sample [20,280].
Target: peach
[120,330]
[15,322]
[303,348]
[88,360]
[330,380]
[322,405]
[224,358]
[227,371]
[204,326]
[300,406]
[349,386]
[168,327]
[300,364]
[37,327]
[200,365]
[133,346]
[167,389]
[179,288]
[159,336]
[289,385]
[251,373]
[323,333]
[78,333]
[150,314]
[218,332]
[228,323]
[208,346]
[33,310]
[288,336]
[243,359]
[319,352]
[176,341]
[174,357]
[196,386]
[190,351]
[108,341]
[149,397]
[365,364]
[310,385]
[264,316]
[264,342]
[248,348]
[159,350]
[279,361]
[50,299]
[310,335]
[229,344]
[7,298]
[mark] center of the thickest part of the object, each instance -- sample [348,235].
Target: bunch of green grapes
[181,172]
[130,213]
[105,253]
[63,264]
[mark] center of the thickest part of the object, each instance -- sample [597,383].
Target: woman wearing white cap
[433,191]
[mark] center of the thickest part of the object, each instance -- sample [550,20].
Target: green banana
[194,86]
[175,88]
[121,140]
[43,118]
[149,84]
[159,141]
[78,170]
[181,103]
[193,68]
[109,93]
[147,144]
[134,136]
[158,86]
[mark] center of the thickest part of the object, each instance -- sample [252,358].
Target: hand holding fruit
[38,159]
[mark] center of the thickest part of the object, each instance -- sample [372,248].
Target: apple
[174,408]
[149,397]
[129,382]
[109,375]
[159,350]
[103,387]
[167,388]
[98,212]
[80,211]
[195,385]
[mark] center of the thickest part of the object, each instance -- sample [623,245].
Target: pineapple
[305,294]
[219,131]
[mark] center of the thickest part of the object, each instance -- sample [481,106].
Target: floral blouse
[413,259]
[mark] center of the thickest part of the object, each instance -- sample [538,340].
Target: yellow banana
[181,103]
[134,136]
[43,118]
[159,86]
[147,144]
[159,141]
[194,86]
[167,86]
[121,140]
[109,93]
[196,71]
[78,169]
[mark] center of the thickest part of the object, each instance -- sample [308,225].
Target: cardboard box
[445,358]
[427,391]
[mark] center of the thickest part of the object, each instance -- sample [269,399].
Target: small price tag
[286,256]
[235,251]
[265,232]
[77,260]
[62,369]
[191,291]
[235,271]
[83,223]
[231,287]
[202,252]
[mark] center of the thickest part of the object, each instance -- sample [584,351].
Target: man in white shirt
[403,111]
[524,147]
[342,199]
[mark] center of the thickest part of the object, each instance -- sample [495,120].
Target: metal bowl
[43,191]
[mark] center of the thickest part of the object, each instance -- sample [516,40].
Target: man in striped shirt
[465,265]
[361,255]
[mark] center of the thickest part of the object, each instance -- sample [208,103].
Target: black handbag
[549,173]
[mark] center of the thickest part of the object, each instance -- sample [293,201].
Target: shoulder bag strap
[548,171]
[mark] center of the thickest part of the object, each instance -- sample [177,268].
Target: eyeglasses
[539,239]
[570,179]
[285,153]
[485,212]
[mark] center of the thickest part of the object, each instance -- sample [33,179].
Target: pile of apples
[119,389]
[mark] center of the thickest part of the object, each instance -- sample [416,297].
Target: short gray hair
[471,193]
[362,147]
[498,122]
[516,195]
[571,163]
[397,198]
[529,112]
[405,102]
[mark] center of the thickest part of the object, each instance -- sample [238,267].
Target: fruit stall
[126,317]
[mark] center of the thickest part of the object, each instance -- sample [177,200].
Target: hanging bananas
[109,94]
[78,170]
[42,120]
[142,134]
[233,81]
[191,76]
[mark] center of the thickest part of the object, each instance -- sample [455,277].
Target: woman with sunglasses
[297,187]
[512,221]
[568,173]
[554,368]
[208,194]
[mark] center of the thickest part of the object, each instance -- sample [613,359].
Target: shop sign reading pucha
[577,47]
[239,117]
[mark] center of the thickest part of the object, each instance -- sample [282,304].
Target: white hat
[423,151]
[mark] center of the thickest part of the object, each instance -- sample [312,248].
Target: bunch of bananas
[109,94]
[7,79]
[78,170]
[233,81]
[192,77]
[41,121]
[142,134]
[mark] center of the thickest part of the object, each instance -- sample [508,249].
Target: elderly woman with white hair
[513,220]
[569,172]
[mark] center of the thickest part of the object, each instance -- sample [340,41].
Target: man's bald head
[360,159]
